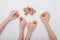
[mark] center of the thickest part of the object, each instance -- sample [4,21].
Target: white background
[11,32]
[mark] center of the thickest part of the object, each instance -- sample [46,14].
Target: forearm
[21,36]
[50,32]
[3,24]
[28,36]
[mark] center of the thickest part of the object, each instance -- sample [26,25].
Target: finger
[16,14]
[21,19]
[35,22]
[14,11]
[47,14]
[14,17]
[43,15]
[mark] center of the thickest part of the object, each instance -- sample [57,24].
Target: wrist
[21,35]
[30,31]
[28,37]
[22,27]
[46,25]
[21,30]
[8,19]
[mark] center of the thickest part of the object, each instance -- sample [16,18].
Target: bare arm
[21,35]
[3,24]
[50,32]
[13,15]
[31,27]
[45,17]
[22,25]
[28,36]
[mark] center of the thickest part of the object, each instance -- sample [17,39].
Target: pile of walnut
[29,10]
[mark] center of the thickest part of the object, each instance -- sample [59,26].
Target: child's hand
[22,23]
[45,17]
[31,26]
[13,15]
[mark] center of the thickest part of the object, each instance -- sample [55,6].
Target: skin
[31,27]
[12,16]
[22,25]
[45,17]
